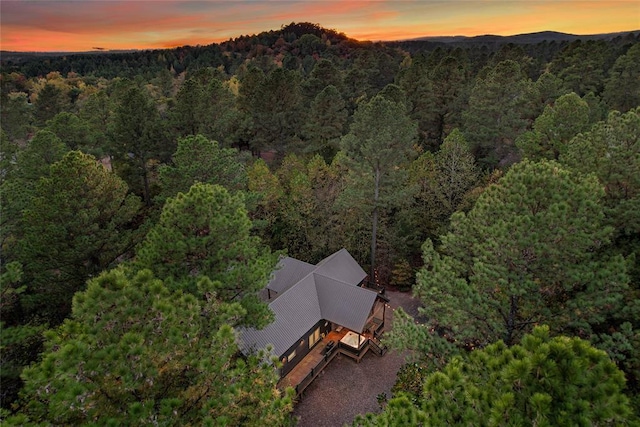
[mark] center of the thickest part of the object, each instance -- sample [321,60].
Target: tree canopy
[135,352]
[543,381]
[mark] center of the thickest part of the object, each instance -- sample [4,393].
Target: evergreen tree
[136,353]
[198,159]
[16,115]
[419,90]
[380,140]
[622,90]
[611,151]
[553,130]
[450,90]
[73,131]
[526,253]
[326,123]
[136,139]
[206,233]
[26,167]
[77,224]
[582,66]
[51,101]
[272,105]
[543,381]
[497,113]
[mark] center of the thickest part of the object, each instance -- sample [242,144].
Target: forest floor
[346,388]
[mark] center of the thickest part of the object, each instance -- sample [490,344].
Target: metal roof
[329,292]
[342,267]
[296,311]
[289,271]
[346,305]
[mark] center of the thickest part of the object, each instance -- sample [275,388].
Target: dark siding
[302,348]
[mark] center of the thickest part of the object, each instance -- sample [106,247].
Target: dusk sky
[50,25]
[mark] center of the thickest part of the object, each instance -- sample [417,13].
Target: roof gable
[289,271]
[344,304]
[342,267]
[329,291]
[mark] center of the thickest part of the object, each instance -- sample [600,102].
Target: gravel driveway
[346,388]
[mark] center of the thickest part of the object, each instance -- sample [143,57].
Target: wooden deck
[311,365]
[317,359]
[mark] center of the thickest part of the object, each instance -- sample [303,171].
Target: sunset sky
[81,25]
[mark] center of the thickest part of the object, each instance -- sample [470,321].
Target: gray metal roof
[344,304]
[341,266]
[289,271]
[296,311]
[329,292]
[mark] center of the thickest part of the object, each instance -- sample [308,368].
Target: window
[291,356]
[314,337]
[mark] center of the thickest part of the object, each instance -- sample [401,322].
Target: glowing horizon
[74,26]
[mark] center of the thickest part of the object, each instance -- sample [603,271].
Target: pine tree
[554,128]
[206,233]
[542,381]
[497,113]
[136,139]
[379,141]
[326,123]
[622,90]
[77,224]
[526,253]
[136,353]
[198,159]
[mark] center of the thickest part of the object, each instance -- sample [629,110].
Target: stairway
[377,347]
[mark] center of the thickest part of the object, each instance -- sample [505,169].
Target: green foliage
[526,253]
[204,105]
[379,142]
[271,104]
[410,380]
[136,139]
[419,90]
[198,159]
[611,151]
[19,344]
[402,276]
[77,223]
[137,353]
[582,66]
[443,182]
[43,150]
[456,171]
[543,381]
[622,90]
[326,122]
[553,130]
[206,233]
[497,113]
[73,131]
[23,169]
[51,101]
[17,116]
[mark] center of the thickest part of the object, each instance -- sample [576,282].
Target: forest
[146,196]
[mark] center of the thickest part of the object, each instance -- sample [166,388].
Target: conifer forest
[146,197]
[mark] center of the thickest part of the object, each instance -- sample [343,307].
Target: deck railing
[315,371]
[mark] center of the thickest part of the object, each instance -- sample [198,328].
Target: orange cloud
[72,26]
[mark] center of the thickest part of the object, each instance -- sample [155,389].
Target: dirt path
[346,388]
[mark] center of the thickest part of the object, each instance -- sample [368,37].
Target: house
[320,310]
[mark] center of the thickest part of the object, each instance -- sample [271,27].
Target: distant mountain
[529,38]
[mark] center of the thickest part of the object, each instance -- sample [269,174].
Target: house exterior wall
[301,347]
